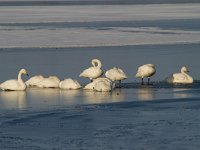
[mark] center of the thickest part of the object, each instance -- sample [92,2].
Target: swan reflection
[103,97]
[96,97]
[117,95]
[70,96]
[145,94]
[180,93]
[14,99]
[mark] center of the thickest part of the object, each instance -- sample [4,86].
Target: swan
[116,74]
[103,86]
[69,84]
[50,82]
[100,85]
[93,72]
[34,80]
[147,70]
[182,77]
[15,84]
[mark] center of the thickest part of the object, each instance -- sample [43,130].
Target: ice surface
[61,40]
[31,26]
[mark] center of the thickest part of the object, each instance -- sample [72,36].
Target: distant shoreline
[92,2]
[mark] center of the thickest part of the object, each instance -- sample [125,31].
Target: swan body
[50,82]
[34,80]
[69,84]
[181,77]
[116,74]
[101,85]
[93,72]
[147,70]
[15,84]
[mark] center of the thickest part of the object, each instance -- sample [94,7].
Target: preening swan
[116,74]
[182,77]
[13,84]
[69,84]
[93,72]
[147,70]
[50,82]
[101,85]
[34,80]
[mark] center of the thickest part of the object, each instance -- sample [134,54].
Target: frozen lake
[62,40]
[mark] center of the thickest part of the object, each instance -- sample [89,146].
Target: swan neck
[96,63]
[183,72]
[20,77]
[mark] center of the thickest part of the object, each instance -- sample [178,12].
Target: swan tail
[137,75]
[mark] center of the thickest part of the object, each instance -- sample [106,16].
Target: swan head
[151,65]
[96,63]
[24,71]
[184,69]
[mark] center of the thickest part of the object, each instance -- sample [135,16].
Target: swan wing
[179,77]
[10,85]
[92,72]
[70,84]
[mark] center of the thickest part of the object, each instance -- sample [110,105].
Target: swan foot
[142,83]
[148,81]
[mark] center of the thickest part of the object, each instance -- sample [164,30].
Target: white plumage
[93,72]
[50,82]
[100,85]
[69,84]
[15,84]
[147,70]
[116,74]
[34,80]
[181,77]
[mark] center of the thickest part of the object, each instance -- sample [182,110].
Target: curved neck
[96,63]
[184,72]
[20,77]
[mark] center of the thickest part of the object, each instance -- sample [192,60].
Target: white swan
[182,77]
[116,74]
[50,82]
[147,70]
[13,84]
[93,72]
[69,84]
[34,80]
[100,85]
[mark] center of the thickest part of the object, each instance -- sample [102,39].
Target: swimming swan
[93,72]
[50,82]
[13,84]
[100,85]
[69,84]
[116,74]
[182,77]
[147,70]
[34,80]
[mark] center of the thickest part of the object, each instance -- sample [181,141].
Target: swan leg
[148,80]
[119,84]
[142,83]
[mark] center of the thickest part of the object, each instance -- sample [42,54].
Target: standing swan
[13,84]
[116,74]
[69,84]
[146,70]
[93,72]
[182,77]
